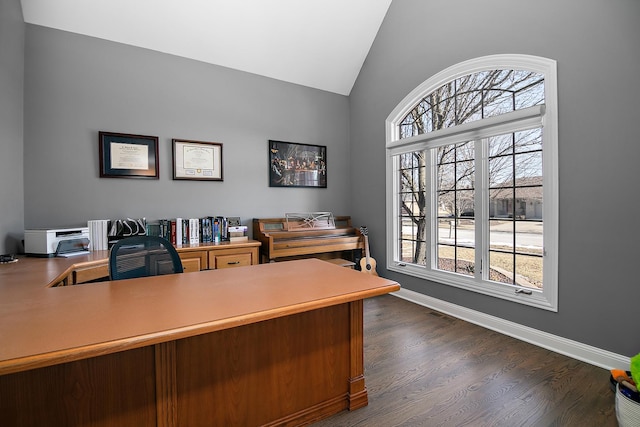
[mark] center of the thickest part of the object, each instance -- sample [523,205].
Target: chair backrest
[142,256]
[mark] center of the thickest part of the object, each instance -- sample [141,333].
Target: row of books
[103,233]
[210,229]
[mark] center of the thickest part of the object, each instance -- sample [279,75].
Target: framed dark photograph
[197,160]
[297,165]
[128,156]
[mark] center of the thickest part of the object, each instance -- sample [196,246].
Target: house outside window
[472,179]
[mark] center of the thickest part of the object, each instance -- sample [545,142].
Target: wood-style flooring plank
[424,368]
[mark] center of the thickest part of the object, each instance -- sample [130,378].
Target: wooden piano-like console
[287,238]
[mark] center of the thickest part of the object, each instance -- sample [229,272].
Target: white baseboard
[586,353]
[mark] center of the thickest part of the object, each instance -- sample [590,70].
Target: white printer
[44,242]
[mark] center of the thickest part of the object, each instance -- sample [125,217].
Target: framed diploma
[197,160]
[128,156]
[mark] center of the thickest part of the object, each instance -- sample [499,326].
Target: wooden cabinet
[194,258]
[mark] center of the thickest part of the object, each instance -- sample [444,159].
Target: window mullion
[481,213]
[432,199]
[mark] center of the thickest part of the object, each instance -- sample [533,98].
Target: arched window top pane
[473,97]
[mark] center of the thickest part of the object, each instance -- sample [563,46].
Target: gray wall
[12,31]
[596,46]
[76,86]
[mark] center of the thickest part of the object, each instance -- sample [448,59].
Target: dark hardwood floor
[424,368]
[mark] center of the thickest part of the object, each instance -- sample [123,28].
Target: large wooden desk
[271,344]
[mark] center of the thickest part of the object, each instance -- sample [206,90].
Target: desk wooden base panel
[116,389]
[285,371]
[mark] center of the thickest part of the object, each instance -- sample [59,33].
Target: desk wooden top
[42,326]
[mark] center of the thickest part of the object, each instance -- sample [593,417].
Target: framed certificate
[197,160]
[128,156]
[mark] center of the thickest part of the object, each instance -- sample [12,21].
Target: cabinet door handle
[233,262]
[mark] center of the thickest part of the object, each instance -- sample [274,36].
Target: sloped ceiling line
[320,44]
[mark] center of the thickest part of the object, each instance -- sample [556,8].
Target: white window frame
[545,116]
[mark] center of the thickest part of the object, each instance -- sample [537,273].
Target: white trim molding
[574,349]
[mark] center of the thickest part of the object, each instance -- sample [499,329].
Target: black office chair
[142,256]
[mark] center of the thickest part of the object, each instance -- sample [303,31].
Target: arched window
[472,179]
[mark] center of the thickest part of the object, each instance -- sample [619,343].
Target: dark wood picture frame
[297,165]
[128,156]
[197,160]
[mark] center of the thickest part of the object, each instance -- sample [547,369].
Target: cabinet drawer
[87,274]
[191,264]
[193,261]
[234,260]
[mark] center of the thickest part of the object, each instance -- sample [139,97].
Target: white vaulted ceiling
[316,43]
